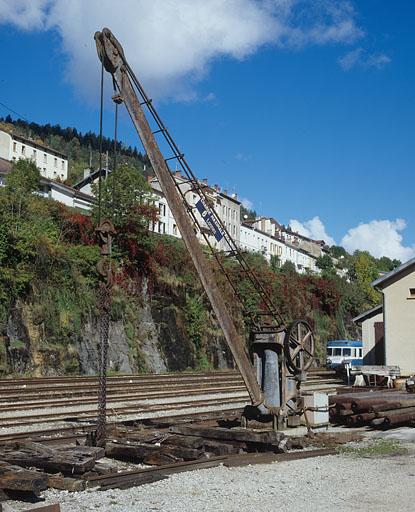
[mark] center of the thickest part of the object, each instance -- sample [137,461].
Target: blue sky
[305,109]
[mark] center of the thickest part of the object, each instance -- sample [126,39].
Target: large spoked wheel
[299,346]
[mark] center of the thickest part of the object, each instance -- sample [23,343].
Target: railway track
[26,403]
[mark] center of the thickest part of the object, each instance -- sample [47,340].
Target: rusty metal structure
[282,351]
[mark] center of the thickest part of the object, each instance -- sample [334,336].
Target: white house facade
[51,164]
[228,209]
[254,240]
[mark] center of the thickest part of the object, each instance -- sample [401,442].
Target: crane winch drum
[282,351]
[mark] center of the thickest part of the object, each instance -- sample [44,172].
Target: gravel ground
[339,483]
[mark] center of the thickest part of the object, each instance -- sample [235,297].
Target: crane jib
[209,220]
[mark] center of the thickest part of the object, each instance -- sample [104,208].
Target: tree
[126,201]
[324,262]
[20,185]
[337,251]
[125,196]
[364,271]
[24,178]
[288,267]
[385,264]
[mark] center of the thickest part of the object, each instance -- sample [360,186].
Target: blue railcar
[341,352]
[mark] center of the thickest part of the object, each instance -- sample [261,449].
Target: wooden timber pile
[383,408]
[31,467]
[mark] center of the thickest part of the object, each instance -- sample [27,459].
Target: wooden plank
[266,458]
[58,481]
[15,478]
[268,437]
[67,460]
[150,453]
[55,507]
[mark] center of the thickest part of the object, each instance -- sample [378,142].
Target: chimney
[235,196]
[217,188]
[225,192]
[205,181]
[177,174]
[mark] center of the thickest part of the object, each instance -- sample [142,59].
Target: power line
[14,112]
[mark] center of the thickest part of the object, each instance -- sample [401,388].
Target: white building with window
[227,207]
[255,240]
[51,163]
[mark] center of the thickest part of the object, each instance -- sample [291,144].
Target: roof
[37,145]
[387,279]
[90,178]
[344,343]
[368,314]
[66,188]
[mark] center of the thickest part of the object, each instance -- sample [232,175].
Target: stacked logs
[380,409]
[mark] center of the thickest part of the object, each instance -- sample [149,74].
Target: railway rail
[28,402]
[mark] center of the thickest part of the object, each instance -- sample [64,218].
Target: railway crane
[281,351]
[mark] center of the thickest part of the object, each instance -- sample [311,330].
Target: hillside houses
[263,235]
[52,164]
[260,236]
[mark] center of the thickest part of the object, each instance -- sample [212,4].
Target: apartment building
[253,239]
[285,234]
[51,163]
[227,207]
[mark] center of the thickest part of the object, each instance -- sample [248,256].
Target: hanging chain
[104,306]
[105,232]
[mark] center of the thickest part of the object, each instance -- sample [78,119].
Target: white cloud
[312,228]
[360,58]
[171,45]
[380,238]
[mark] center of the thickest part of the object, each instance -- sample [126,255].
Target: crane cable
[101,115]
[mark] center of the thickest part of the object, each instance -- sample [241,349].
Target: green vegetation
[376,448]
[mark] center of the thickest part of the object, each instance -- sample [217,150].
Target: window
[347,352]
[174,229]
[63,165]
[23,150]
[412,293]
[162,227]
[15,146]
[56,162]
[330,351]
[360,352]
[337,352]
[162,209]
[45,158]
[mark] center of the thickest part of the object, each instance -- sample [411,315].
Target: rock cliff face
[155,340]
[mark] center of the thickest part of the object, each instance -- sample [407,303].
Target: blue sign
[209,219]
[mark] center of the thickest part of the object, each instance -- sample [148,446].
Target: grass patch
[376,448]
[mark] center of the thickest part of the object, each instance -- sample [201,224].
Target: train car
[341,352]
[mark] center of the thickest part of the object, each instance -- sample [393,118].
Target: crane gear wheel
[299,346]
